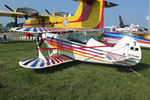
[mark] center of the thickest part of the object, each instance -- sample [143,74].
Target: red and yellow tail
[88,15]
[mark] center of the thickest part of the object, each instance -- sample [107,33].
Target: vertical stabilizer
[121,22]
[90,13]
[130,49]
[122,25]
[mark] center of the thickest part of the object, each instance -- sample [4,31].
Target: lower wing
[49,61]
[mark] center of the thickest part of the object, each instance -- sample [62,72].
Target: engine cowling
[28,11]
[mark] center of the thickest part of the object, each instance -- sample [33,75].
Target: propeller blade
[9,8]
[16,19]
[49,14]
[47,11]
[26,17]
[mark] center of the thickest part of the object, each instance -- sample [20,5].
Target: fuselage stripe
[54,44]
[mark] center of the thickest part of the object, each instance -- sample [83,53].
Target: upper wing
[11,14]
[21,15]
[49,29]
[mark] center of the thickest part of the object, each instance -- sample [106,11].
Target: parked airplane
[79,44]
[127,28]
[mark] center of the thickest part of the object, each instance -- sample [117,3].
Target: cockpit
[62,14]
[83,37]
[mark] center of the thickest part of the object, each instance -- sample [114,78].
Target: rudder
[130,49]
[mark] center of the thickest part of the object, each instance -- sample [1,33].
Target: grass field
[70,81]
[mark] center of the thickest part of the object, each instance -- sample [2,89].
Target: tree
[11,24]
[1,25]
[20,24]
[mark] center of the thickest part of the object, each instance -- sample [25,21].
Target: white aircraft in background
[123,28]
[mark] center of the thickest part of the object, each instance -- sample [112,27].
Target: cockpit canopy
[82,37]
[63,14]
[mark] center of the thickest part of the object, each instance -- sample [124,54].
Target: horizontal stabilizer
[49,61]
[110,4]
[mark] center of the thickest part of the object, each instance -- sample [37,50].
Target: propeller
[47,11]
[9,8]
[16,19]
[52,25]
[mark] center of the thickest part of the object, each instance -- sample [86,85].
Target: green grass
[70,81]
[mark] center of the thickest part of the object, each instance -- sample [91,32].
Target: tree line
[12,24]
[9,26]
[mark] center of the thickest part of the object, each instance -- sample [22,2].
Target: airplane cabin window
[63,14]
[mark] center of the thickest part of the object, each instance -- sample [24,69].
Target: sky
[132,11]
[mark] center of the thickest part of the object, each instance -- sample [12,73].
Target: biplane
[69,38]
[79,44]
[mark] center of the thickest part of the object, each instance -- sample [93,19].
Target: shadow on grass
[138,67]
[57,67]
[144,48]
[1,86]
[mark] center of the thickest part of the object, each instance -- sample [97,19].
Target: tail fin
[90,13]
[130,49]
[121,22]
[122,25]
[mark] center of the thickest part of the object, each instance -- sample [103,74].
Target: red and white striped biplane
[67,45]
